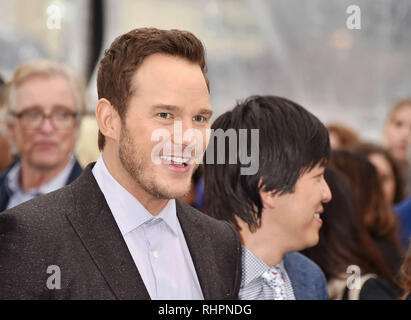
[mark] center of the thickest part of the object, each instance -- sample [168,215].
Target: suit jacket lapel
[99,233]
[202,254]
[296,276]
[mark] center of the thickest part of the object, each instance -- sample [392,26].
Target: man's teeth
[317,215]
[175,159]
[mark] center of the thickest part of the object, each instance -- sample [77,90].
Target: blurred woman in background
[371,206]
[397,135]
[389,171]
[393,184]
[398,131]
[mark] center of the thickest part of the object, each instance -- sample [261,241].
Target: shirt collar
[128,212]
[59,181]
[253,267]
[168,214]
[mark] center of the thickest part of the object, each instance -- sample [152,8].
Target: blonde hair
[45,67]
[399,105]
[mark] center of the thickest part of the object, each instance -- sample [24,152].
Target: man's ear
[108,119]
[268,198]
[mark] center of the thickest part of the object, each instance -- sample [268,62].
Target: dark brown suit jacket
[74,229]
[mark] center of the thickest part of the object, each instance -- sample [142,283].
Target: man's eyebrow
[206,112]
[31,107]
[62,106]
[39,107]
[162,107]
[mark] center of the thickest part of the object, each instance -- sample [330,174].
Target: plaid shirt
[253,286]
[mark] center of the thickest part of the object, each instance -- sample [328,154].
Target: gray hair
[46,68]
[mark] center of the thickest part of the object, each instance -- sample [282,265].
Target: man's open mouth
[178,161]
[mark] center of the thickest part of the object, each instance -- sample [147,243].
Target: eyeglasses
[31,119]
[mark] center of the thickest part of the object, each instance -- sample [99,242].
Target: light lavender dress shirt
[156,243]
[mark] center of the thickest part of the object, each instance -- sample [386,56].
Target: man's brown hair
[127,52]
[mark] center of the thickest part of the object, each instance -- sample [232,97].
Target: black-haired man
[276,210]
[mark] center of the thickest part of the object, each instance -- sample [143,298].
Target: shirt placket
[153,240]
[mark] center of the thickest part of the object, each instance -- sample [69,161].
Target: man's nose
[183,132]
[327,195]
[47,125]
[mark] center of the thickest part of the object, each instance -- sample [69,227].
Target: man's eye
[164,115]
[320,177]
[61,115]
[33,114]
[199,118]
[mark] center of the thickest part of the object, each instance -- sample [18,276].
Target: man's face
[398,133]
[167,89]
[297,214]
[46,146]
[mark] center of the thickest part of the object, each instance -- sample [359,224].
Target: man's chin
[44,164]
[172,192]
[176,194]
[313,242]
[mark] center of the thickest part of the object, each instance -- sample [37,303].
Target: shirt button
[155,254]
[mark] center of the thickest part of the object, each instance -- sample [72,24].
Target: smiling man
[118,232]
[277,211]
[45,101]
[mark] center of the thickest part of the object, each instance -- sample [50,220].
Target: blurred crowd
[366,224]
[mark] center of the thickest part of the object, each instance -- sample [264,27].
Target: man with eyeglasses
[44,101]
